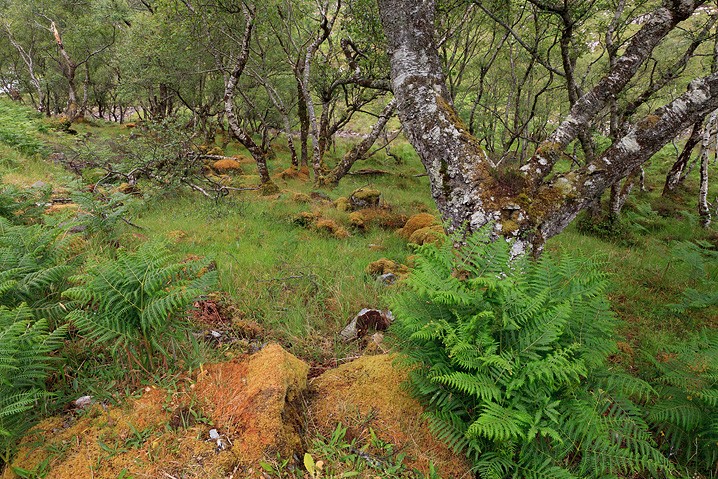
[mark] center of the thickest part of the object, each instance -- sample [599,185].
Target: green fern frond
[511,363]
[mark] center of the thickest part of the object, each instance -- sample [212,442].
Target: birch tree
[535,202]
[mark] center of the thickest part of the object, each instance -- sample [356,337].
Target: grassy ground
[302,284]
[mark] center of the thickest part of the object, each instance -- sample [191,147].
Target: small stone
[213,434]
[82,402]
[387,279]
[39,184]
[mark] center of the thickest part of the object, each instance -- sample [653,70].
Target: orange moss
[106,443]
[253,402]
[368,393]
[364,218]
[58,207]
[331,226]
[294,173]
[227,164]
[176,235]
[417,222]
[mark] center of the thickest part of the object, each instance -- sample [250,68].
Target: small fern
[34,268]
[685,413]
[510,358]
[25,347]
[133,304]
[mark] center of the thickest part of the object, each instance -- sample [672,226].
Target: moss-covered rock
[342,203]
[384,266]
[255,402]
[252,403]
[364,198]
[368,393]
[301,198]
[268,189]
[431,234]
[417,222]
[332,227]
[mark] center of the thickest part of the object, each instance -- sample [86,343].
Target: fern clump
[134,303]
[510,357]
[34,268]
[685,413]
[25,347]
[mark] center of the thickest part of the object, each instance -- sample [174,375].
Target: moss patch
[368,393]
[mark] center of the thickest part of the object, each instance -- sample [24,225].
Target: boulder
[364,198]
[255,403]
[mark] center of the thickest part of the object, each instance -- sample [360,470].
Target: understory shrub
[134,304]
[510,356]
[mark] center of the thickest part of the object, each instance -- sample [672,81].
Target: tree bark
[358,152]
[259,155]
[675,175]
[704,213]
[467,188]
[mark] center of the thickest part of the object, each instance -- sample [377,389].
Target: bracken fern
[25,347]
[510,357]
[134,303]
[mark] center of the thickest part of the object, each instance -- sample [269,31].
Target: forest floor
[295,267]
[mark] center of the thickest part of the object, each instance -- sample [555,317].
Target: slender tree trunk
[303,125]
[703,208]
[69,70]
[359,150]
[30,64]
[675,175]
[620,191]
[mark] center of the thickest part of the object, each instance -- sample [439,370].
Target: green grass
[300,284]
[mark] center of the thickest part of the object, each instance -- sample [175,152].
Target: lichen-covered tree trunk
[528,205]
[361,148]
[258,154]
[675,175]
[709,131]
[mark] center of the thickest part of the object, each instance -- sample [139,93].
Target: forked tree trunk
[675,175]
[361,148]
[527,205]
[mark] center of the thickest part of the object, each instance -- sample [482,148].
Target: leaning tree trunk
[360,149]
[259,155]
[675,175]
[530,206]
